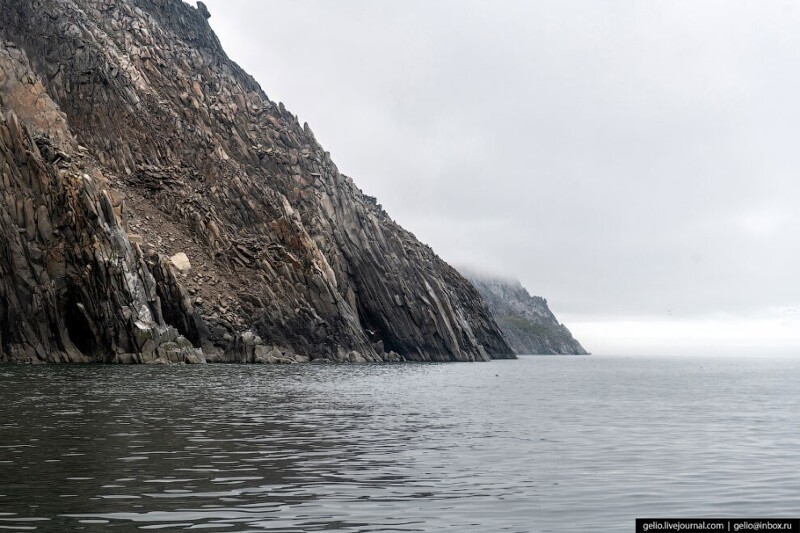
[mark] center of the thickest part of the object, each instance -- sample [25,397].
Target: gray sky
[633,162]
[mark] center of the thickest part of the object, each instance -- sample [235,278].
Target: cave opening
[79,327]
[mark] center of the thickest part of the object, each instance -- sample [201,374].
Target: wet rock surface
[246,240]
[527,322]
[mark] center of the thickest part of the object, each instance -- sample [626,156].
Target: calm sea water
[542,444]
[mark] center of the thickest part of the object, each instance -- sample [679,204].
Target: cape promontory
[158,206]
[528,324]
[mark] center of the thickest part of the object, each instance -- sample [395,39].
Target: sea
[540,444]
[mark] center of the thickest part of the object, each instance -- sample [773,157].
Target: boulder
[181,262]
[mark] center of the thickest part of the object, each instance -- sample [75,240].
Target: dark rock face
[289,260]
[72,289]
[527,322]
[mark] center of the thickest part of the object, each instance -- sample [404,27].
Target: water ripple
[539,444]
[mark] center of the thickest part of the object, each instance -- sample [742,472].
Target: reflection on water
[540,444]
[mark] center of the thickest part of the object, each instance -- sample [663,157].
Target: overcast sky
[634,162]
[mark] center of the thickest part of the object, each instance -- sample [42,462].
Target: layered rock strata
[286,259]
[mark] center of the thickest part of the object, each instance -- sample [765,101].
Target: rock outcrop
[72,288]
[527,323]
[190,216]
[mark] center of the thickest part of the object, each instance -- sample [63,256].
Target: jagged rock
[289,248]
[176,306]
[71,286]
[201,7]
[527,322]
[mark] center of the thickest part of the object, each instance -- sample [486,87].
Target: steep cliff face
[526,321]
[72,289]
[289,260]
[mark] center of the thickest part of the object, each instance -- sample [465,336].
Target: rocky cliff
[129,138]
[527,323]
[72,287]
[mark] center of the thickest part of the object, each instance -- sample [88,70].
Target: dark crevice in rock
[81,330]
